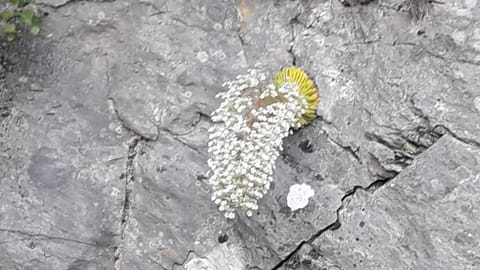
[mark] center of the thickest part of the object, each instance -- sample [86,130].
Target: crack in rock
[292,23]
[337,224]
[347,148]
[45,236]
[128,126]
[57,4]
[468,141]
[128,175]
[176,138]
[187,256]
[374,186]
[157,10]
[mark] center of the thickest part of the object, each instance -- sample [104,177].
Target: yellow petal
[306,87]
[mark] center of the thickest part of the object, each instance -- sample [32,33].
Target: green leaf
[35,30]
[27,15]
[7,15]
[9,28]
[36,21]
[10,36]
[14,2]
[22,3]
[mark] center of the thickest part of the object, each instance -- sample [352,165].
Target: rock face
[103,134]
[425,219]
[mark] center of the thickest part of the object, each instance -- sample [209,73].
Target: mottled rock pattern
[425,219]
[60,163]
[103,132]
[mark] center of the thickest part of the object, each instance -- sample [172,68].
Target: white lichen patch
[298,196]
[202,56]
[199,264]
[224,257]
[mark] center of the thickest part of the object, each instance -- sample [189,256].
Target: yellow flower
[306,87]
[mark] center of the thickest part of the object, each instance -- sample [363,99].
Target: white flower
[249,127]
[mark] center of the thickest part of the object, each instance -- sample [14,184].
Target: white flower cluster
[246,139]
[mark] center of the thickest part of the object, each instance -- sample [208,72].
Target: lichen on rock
[298,196]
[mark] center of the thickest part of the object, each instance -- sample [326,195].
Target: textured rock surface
[426,219]
[60,163]
[103,133]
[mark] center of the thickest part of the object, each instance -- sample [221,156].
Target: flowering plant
[248,133]
[17,16]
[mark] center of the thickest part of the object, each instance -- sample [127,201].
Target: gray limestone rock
[425,219]
[60,164]
[104,119]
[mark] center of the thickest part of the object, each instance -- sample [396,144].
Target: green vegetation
[18,16]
